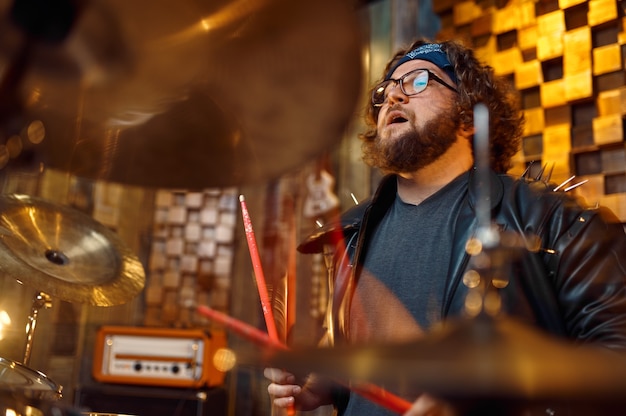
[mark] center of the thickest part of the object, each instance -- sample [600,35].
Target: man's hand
[426,405]
[309,395]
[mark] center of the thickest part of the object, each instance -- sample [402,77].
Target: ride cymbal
[478,359]
[65,253]
[205,94]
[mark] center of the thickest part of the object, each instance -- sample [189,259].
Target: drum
[24,391]
[103,414]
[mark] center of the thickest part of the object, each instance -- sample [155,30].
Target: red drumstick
[369,391]
[241,328]
[258,272]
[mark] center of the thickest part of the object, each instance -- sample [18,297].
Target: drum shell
[25,392]
[19,406]
[103,414]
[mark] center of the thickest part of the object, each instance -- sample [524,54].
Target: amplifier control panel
[157,356]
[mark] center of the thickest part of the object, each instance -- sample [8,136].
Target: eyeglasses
[411,83]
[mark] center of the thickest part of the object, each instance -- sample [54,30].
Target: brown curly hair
[476,83]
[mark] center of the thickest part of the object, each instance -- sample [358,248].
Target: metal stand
[41,300]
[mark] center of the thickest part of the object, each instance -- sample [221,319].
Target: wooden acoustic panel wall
[566,57]
[191,256]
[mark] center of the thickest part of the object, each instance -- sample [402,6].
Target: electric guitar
[320,198]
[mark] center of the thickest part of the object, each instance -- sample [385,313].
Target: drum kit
[194,94]
[191,94]
[188,94]
[64,254]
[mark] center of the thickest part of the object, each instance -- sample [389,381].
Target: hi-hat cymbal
[65,253]
[205,94]
[473,359]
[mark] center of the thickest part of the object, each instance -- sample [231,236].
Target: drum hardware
[190,95]
[41,300]
[65,254]
[477,358]
[68,255]
[103,414]
[24,391]
[491,250]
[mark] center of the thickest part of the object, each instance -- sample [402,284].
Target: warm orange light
[224,359]
[5,321]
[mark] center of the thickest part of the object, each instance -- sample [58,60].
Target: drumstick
[241,328]
[369,391]
[258,272]
[260,279]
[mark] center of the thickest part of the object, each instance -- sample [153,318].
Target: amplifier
[157,356]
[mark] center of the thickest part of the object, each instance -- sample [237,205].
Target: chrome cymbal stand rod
[487,238]
[490,248]
[41,300]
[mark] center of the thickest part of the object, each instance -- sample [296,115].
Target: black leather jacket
[572,285]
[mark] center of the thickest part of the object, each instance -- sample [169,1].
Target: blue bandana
[430,52]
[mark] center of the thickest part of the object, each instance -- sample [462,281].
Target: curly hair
[476,83]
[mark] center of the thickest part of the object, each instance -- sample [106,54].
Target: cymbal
[500,358]
[65,253]
[200,94]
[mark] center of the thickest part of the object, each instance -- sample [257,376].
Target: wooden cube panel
[608,129]
[577,51]
[566,57]
[607,59]
[192,254]
[611,102]
[528,74]
[602,11]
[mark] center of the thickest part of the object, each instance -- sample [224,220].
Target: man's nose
[396,95]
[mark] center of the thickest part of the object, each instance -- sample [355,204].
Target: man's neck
[415,187]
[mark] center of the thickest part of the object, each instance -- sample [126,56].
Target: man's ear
[467,131]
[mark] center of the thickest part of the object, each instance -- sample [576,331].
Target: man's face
[413,131]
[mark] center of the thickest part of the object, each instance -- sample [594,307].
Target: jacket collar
[388,188]
[380,201]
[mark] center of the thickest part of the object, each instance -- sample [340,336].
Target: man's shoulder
[537,201]
[537,189]
[334,231]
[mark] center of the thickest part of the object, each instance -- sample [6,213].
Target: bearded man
[403,254]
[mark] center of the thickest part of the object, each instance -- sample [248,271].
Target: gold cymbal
[203,94]
[65,253]
[475,359]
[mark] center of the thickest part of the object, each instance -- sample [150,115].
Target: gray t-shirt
[399,293]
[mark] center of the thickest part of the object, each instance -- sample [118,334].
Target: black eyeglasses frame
[431,75]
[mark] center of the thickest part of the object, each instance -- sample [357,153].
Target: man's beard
[415,148]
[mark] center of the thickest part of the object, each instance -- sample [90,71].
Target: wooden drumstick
[258,272]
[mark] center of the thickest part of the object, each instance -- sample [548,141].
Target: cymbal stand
[41,300]
[492,249]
